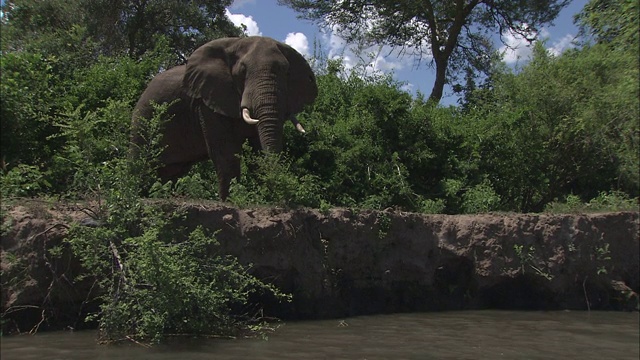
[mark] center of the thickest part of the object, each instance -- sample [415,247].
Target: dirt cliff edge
[345,263]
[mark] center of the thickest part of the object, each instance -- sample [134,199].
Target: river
[446,335]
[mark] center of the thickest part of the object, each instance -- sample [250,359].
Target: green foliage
[30,100]
[29,25]
[384,224]
[429,206]
[362,141]
[603,257]
[527,258]
[604,202]
[613,201]
[186,25]
[557,126]
[610,22]
[560,125]
[62,121]
[524,254]
[22,181]
[269,179]
[480,199]
[118,78]
[95,142]
[158,284]
[197,184]
[119,28]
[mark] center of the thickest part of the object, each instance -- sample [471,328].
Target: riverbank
[344,263]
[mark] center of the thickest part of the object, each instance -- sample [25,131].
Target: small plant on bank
[384,224]
[429,206]
[603,257]
[525,255]
[527,258]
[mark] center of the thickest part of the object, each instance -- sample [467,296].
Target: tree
[119,27]
[610,22]
[560,125]
[131,25]
[452,35]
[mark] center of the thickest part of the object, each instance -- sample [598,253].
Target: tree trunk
[441,79]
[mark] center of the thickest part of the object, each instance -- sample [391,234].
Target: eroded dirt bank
[345,263]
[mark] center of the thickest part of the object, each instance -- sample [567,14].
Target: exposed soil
[345,263]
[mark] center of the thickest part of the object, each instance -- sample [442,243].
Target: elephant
[231,90]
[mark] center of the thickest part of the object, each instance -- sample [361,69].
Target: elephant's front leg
[224,147]
[227,161]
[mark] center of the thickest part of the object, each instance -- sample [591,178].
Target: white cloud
[408,87]
[566,42]
[515,47]
[240,19]
[518,48]
[299,42]
[336,43]
[372,60]
[382,64]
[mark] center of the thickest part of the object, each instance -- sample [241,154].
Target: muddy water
[453,335]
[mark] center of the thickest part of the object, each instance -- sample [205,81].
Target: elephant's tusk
[247,117]
[297,124]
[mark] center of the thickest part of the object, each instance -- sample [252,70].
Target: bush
[604,202]
[23,180]
[480,199]
[364,145]
[157,278]
[269,179]
[157,284]
[30,101]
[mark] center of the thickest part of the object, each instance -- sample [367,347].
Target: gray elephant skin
[231,90]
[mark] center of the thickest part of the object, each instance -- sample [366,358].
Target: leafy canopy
[128,27]
[610,22]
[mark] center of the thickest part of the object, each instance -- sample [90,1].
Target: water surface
[448,335]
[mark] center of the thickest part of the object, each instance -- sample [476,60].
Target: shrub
[605,201]
[157,284]
[480,199]
[269,179]
[23,180]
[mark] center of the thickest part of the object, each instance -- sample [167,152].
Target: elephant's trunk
[271,134]
[268,108]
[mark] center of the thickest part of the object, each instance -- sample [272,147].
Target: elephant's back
[166,87]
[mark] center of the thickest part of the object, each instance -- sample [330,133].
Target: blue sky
[267,18]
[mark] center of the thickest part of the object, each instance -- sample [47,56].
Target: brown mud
[346,263]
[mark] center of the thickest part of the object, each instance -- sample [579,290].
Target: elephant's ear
[301,82]
[208,77]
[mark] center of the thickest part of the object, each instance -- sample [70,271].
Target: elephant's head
[259,79]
